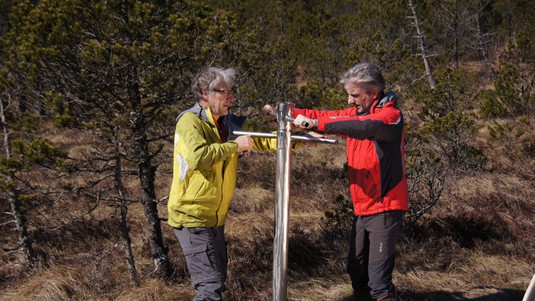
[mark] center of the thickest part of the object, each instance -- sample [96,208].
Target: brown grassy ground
[478,243]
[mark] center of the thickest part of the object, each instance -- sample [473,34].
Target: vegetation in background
[89,91]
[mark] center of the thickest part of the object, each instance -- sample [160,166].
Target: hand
[269,111]
[303,122]
[245,143]
[315,135]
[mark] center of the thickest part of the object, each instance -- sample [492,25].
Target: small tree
[448,125]
[443,145]
[514,89]
[426,176]
[26,157]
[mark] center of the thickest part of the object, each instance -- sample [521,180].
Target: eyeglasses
[226,92]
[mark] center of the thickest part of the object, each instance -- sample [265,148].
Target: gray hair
[364,74]
[210,77]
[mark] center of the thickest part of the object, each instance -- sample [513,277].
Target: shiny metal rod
[288,118]
[282,191]
[530,292]
[294,137]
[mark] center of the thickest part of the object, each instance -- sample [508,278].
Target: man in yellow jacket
[205,164]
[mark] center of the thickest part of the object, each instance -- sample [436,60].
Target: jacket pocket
[197,186]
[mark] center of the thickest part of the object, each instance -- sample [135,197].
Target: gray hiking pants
[206,256]
[372,253]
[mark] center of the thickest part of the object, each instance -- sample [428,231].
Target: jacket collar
[203,113]
[388,99]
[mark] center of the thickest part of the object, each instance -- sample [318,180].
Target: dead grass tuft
[482,277]
[334,288]
[253,199]
[249,226]
[154,290]
[56,284]
[250,251]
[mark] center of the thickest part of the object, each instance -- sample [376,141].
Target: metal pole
[282,191]
[530,292]
[294,137]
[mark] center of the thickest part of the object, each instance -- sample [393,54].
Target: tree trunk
[456,42]
[125,231]
[423,53]
[25,241]
[483,48]
[147,177]
[148,199]
[3,124]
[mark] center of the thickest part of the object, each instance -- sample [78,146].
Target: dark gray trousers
[372,253]
[206,256]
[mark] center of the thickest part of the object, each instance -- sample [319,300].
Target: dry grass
[482,277]
[154,290]
[252,199]
[478,243]
[56,284]
[334,288]
[250,226]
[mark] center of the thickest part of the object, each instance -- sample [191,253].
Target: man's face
[359,98]
[220,99]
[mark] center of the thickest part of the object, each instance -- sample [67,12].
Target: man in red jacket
[373,125]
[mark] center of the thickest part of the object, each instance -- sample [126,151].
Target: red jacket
[375,151]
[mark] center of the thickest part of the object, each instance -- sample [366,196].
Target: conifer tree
[26,155]
[117,69]
[11,193]
[29,162]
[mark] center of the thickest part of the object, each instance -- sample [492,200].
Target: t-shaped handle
[288,119]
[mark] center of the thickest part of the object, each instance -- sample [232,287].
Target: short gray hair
[365,74]
[210,77]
